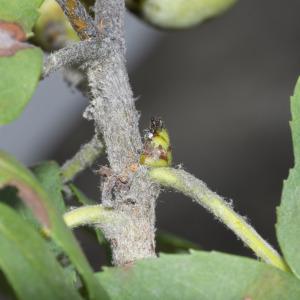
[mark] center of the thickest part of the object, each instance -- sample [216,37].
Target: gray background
[223,90]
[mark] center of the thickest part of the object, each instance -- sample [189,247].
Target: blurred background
[223,91]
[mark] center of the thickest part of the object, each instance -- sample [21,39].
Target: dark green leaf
[12,173]
[288,221]
[6,291]
[199,275]
[27,263]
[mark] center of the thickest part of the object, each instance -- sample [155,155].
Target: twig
[74,54]
[90,215]
[83,159]
[197,190]
[79,18]
[112,107]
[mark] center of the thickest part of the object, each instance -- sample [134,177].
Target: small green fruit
[178,14]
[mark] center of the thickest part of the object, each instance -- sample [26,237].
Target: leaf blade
[199,275]
[288,221]
[48,174]
[15,174]
[20,63]
[23,251]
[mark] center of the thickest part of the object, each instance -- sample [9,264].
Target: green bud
[176,14]
[157,148]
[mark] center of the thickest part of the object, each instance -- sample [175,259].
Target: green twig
[84,158]
[89,215]
[196,189]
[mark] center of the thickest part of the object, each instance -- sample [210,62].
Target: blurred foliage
[20,63]
[178,14]
[53,30]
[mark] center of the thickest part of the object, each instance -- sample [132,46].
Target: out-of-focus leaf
[48,174]
[53,30]
[23,12]
[20,75]
[27,263]
[199,275]
[12,173]
[20,63]
[9,196]
[288,213]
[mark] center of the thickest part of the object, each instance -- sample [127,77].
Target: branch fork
[127,215]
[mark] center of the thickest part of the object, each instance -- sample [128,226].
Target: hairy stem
[74,54]
[196,189]
[83,159]
[128,190]
[89,215]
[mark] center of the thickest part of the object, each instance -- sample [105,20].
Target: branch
[83,159]
[80,20]
[90,215]
[74,54]
[112,108]
[196,189]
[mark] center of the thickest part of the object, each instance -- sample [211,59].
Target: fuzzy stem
[112,108]
[74,54]
[196,189]
[89,215]
[84,158]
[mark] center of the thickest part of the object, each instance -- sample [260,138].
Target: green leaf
[27,263]
[48,174]
[20,63]
[199,275]
[24,12]
[20,76]
[288,213]
[12,173]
